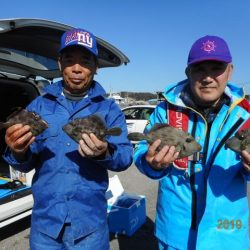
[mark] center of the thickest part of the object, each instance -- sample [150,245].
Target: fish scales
[240,141]
[91,124]
[183,141]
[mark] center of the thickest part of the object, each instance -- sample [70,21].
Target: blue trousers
[98,240]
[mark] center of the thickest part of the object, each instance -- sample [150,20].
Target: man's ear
[231,67]
[59,63]
[187,71]
[96,70]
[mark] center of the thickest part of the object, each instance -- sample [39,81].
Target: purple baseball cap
[79,37]
[209,48]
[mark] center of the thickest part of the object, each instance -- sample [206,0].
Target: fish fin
[15,111]
[114,131]
[178,148]
[3,125]
[136,136]
[159,125]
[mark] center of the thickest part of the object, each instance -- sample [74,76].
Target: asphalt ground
[16,235]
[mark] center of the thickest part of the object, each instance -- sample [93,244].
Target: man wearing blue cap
[202,199]
[71,178]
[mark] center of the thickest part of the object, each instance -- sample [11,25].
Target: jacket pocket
[46,141]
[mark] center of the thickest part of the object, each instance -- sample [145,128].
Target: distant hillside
[144,96]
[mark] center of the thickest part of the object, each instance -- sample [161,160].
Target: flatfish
[36,123]
[240,141]
[91,124]
[183,141]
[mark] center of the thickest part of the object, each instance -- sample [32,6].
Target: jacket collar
[56,89]
[173,92]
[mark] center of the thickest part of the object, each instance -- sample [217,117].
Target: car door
[137,117]
[42,38]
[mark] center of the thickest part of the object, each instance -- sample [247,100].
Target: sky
[156,35]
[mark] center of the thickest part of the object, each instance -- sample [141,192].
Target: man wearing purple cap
[202,199]
[70,181]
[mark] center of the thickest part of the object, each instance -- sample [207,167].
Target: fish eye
[189,140]
[241,137]
[36,117]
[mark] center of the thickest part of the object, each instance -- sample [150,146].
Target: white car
[137,117]
[28,61]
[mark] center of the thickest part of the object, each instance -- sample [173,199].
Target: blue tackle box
[126,212]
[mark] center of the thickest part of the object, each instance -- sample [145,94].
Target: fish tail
[136,136]
[114,131]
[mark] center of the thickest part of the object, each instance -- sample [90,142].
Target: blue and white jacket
[67,186]
[208,209]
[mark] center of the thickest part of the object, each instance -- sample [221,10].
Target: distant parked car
[137,117]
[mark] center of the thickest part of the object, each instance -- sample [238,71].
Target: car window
[138,113]
[29,59]
[146,113]
[132,114]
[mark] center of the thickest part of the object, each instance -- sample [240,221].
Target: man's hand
[18,138]
[160,159]
[245,156]
[90,146]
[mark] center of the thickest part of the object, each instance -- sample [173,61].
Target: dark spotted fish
[36,123]
[183,141]
[91,124]
[239,142]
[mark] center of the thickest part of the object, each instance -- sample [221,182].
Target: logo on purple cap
[83,38]
[208,46]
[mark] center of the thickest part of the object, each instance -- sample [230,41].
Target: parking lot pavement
[15,236]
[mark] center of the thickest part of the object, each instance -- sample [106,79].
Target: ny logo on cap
[83,38]
[208,46]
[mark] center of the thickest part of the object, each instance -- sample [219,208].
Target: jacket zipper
[192,184]
[222,142]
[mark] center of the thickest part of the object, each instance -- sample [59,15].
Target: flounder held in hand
[91,124]
[183,141]
[36,123]
[239,142]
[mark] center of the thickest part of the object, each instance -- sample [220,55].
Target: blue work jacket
[67,186]
[206,207]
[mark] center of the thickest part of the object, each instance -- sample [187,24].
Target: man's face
[208,80]
[78,67]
